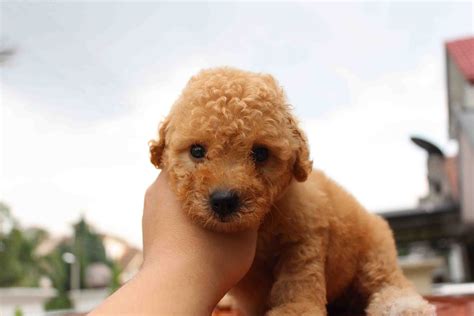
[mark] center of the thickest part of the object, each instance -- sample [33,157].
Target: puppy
[237,160]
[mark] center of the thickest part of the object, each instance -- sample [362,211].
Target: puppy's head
[231,146]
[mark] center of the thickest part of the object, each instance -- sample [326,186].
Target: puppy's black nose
[224,202]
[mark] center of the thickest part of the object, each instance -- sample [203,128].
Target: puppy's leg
[299,288]
[251,292]
[380,277]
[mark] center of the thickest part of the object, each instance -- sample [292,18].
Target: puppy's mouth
[226,218]
[239,220]
[225,211]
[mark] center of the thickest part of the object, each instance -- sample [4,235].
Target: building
[443,222]
[460,85]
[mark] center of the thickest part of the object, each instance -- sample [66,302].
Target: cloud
[51,172]
[365,145]
[356,73]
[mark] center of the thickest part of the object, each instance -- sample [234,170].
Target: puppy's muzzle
[224,202]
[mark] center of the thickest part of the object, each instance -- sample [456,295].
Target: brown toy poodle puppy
[238,160]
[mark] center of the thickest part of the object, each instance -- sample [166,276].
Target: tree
[20,265]
[6,219]
[59,273]
[88,248]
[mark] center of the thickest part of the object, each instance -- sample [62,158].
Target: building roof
[462,53]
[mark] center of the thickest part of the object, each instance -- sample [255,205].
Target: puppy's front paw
[297,309]
[411,306]
[393,301]
[404,305]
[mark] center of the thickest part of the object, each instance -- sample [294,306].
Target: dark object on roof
[6,54]
[431,148]
[440,187]
[462,53]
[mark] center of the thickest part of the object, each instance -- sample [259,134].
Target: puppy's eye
[260,153]
[197,151]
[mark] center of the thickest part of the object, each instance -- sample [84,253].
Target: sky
[90,81]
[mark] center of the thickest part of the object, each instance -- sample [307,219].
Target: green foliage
[61,301]
[18,312]
[88,248]
[59,273]
[20,264]
[57,270]
[115,282]
[10,274]
[6,219]
[4,210]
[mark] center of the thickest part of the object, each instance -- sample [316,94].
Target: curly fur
[316,243]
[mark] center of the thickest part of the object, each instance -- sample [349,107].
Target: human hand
[168,234]
[187,269]
[207,262]
[215,261]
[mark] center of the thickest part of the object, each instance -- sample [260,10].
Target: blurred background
[384,90]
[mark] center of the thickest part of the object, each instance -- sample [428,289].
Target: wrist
[185,287]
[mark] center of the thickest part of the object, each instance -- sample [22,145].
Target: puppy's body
[326,235]
[237,160]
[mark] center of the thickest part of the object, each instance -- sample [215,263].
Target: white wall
[469,95]
[29,300]
[86,300]
[456,94]
[466,160]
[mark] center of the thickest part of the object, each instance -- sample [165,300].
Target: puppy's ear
[157,147]
[303,165]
